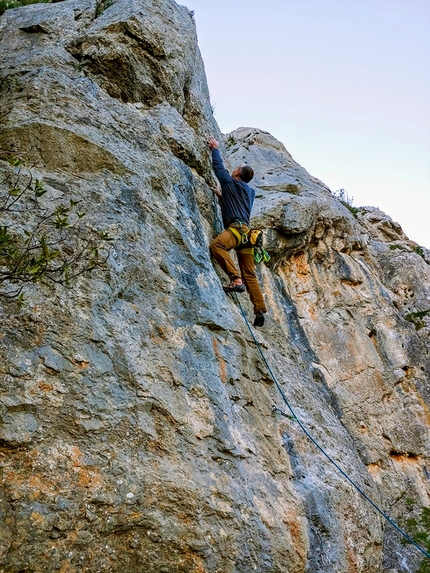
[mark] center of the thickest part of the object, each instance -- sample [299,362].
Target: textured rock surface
[136,424]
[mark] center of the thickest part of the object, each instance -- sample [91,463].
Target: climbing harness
[245,234]
[253,237]
[292,416]
[240,234]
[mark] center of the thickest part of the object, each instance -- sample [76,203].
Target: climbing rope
[316,444]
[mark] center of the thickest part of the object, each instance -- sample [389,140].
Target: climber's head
[244,173]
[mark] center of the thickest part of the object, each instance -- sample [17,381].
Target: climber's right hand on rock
[216,190]
[213,143]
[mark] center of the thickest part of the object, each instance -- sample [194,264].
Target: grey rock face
[136,423]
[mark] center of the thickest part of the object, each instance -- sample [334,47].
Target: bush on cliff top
[347,201]
[6,4]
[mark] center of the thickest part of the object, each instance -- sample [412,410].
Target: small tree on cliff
[40,243]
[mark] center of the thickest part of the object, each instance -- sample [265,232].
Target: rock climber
[236,198]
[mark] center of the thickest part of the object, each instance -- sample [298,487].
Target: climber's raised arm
[220,171]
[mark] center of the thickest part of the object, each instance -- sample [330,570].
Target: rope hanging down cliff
[316,444]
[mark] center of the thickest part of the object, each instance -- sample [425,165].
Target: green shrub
[292,188]
[419,531]
[230,142]
[6,4]
[347,201]
[351,209]
[103,5]
[342,195]
[420,251]
[40,244]
[416,318]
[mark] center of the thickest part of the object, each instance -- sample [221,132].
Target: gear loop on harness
[240,234]
[252,237]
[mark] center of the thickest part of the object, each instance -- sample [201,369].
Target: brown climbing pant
[220,248]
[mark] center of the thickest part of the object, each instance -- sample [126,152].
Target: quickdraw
[261,255]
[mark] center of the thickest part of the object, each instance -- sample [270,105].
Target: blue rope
[295,418]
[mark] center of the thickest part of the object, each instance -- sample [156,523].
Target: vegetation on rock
[421,252]
[230,142]
[293,189]
[346,201]
[42,241]
[5,4]
[416,318]
[419,528]
[103,5]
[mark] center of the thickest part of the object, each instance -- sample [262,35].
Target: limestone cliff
[136,423]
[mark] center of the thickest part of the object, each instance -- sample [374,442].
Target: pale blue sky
[344,84]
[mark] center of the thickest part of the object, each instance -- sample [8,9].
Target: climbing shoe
[259,319]
[234,287]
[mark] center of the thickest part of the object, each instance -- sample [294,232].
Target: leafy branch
[6,4]
[40,243]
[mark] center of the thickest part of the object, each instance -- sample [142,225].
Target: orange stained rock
[38,339]
[161,331]
[71,538]
[297,532]
[196,561]
[309,308]
[39,485]
[375,470]
[76,456]
[67,568]
[157,445]
[185,519]
[221,361]
[158,340]
[404,458]
[43,386]
[352,561]
[300,264]
[312,312]
[268,291]
[36,518]
[424,414]
[89,478]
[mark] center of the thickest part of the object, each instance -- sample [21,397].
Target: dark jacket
[237,197]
